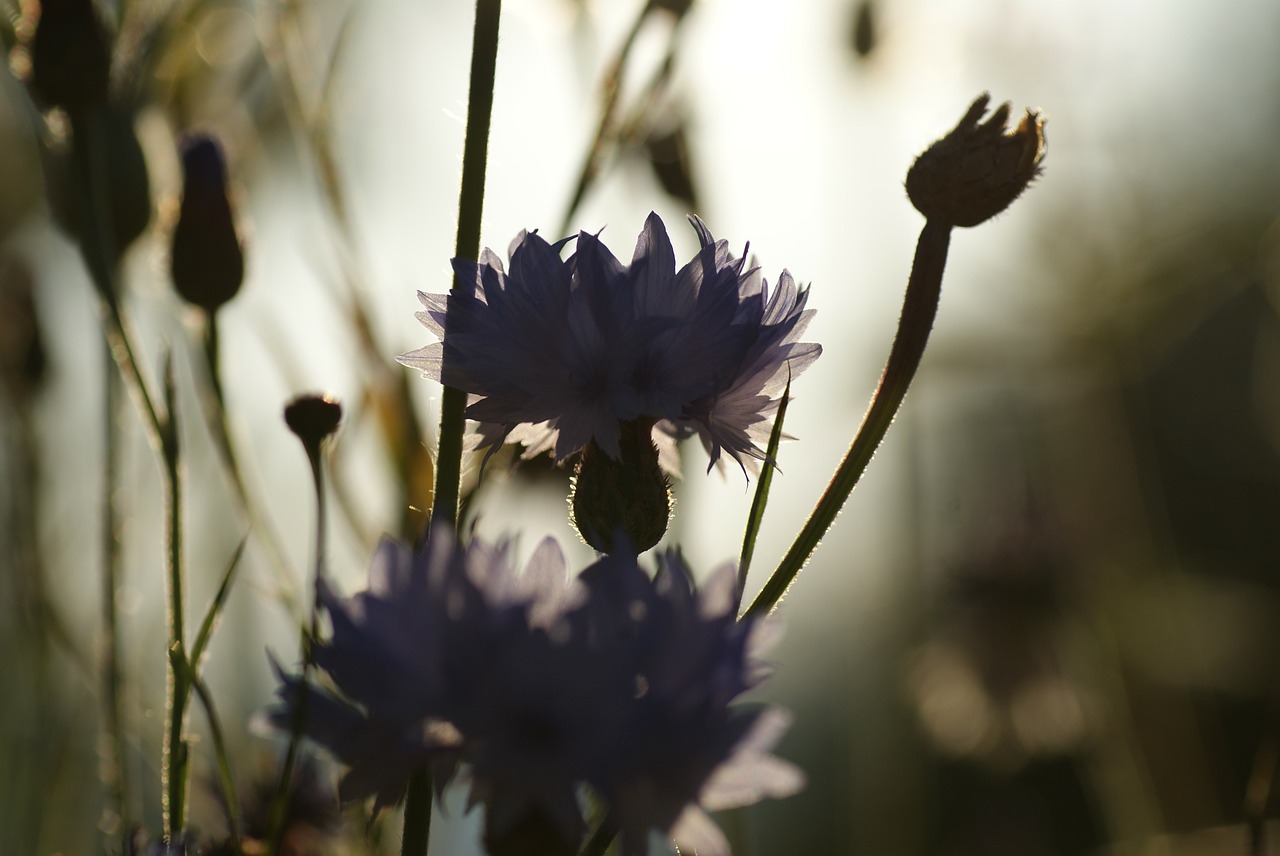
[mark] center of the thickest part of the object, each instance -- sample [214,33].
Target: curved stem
[919,308]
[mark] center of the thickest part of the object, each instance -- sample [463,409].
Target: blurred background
[1046,622]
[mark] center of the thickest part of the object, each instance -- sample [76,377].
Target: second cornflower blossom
[532,685]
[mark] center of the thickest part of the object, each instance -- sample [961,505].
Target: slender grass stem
[310,631]
[484,54]
[219,426]
[605,130]
[475,155]
[96,244]
[115,776]
[919,308]
[175,760]
[603,836]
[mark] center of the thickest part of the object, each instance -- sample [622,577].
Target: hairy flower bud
[629,495]
[70,56]
[974,172]
[207,261]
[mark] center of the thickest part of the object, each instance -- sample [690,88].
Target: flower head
[560,353]
[978,169]
[533,685]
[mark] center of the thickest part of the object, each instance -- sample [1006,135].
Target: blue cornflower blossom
[558,354]
[530,686]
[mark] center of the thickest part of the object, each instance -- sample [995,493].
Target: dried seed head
[974,172]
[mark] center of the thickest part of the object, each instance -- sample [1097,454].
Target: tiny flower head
[569,350]
[977,170]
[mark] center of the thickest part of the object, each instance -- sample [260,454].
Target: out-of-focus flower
[559,354]
[207,261]
[995,679]
[535,685]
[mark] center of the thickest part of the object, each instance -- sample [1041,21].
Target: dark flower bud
[629,495]
[70,56]
[974,172]
[207,260]
[312,418]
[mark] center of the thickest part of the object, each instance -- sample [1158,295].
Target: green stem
[600,840]
[919,308]
[484,55]
[612,88]
[175,758]
[96,245]
[280,801]
[219,426]
[115,777]
[475,154]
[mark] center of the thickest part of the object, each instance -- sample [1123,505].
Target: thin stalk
[96,242]
[175,755]
[484,55]
[115,776]
[919,308]
[222,758]
[755,517]
[611,90]
[600,840]
[219,426]
[310,631]
[475,155]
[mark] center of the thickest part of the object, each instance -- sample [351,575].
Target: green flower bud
[977,170]
[630,495]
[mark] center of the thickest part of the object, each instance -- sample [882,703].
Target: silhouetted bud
[629,495]
[974,172]
[312,418]
[128,185]
[207,260]
[70,56]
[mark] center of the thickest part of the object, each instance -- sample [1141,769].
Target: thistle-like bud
[630,495]
[207,260]
[312,418]
[974,172]
[70,56]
